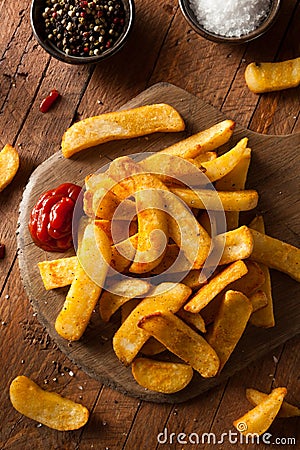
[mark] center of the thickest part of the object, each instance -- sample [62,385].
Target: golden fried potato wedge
[272,76]
[260,418]
[229,324]
[203,141]
[161,376]
[120,293]
[94,258]
[129,338]
[59,272]
[153,229]
[276,254]
[122,253]
[215,200]
[120,125]
[221,166]
[238,244]
[48,408]
[255,397]
[216,285]
[181,340]
[9,164]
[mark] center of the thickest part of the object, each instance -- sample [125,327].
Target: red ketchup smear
[50,223]
[48,101]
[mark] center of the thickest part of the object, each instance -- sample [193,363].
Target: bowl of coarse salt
[230,21]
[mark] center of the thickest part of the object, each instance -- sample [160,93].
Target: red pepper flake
[48,101]
[2,251]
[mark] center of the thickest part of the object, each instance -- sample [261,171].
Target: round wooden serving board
[274,172]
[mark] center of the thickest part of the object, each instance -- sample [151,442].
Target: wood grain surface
[162,47]
[279,201]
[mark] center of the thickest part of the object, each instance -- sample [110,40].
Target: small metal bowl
[190,17]
[37,24]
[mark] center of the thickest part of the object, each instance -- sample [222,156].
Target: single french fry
[129,338]
[255,397]
[203,141]
[59,272]
[9,164]
[238,244]
[272,76]
[229,324]
[120,125]
[119,293]
[94,258]
[161,376]
[276,254]
[181,340]
[216,285]
[152,227]
[260,418]
[221,166]
[235,180]
[215,200]
[48,408]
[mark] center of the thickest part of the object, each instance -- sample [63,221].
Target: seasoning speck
[230,18]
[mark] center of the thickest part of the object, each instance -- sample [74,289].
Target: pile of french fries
[147,237]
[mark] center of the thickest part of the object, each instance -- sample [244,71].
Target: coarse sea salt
[230,18]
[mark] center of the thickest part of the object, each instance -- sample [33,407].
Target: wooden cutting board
[274,172]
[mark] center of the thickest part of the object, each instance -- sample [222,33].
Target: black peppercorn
[83,28]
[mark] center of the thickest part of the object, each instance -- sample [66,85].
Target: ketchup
[50,223]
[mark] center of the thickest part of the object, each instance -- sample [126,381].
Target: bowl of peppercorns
[82,31]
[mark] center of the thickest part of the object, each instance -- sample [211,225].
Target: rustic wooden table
[162,47]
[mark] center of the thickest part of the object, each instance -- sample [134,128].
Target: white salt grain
[230,18]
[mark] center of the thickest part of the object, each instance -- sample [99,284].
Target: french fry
[119,293]
[221,166]
[238,244]
[153,230]
[235,180]
[161,376]
[255,397]
[94,258]
[276,254]
[272,76]
[181,340]
[129,338]
[9,164]
[48,408]
[216,285]
[215,200]
[120,125]
[260,418]
[59,272]
[203,157]
[229,324]
[263,317]
[204,141]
